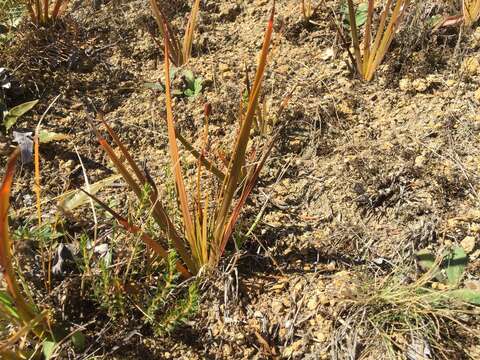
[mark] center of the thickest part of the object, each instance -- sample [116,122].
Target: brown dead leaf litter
[363,176]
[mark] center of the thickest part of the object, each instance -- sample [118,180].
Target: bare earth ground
[363,177]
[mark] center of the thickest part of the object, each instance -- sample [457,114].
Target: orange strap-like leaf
[23,308]
[175,158]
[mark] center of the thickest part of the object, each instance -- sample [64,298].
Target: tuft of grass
[367,62]
[180,51]
[207,223]
[44,12]
[396,315]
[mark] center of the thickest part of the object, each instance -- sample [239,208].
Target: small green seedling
[193,85]
[10,117]
[448,269]
[154,86]
[158,86]
[361,15]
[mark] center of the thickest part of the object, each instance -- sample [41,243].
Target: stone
[312,303]
[472,285]
[229,11]
[227,350]
[420,85]
[475,228]
[277,306]
[323,299]
[476,37]
[451,82]
[476,95]
[292,349]
[468,244]
[420,161]
[405,84]
[471,66]
[223,67]
[328,53]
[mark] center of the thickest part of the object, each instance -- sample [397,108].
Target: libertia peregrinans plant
[208,221]
[367,62]
[309,9]
[179,52]
[41,12]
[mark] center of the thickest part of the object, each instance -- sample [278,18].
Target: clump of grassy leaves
[266,119]
[44,12]
[309,9]
[179,51]
[16,307]
[411,317]
[207,223]
[367,62]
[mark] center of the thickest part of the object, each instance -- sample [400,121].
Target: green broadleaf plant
[466,295]
[78,341]
[194,85]
[7,306]
[48,348]
[154,86]
[45,136]
[361,14]
[453,263]
[456,262]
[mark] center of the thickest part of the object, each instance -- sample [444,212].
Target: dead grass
[398,317]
